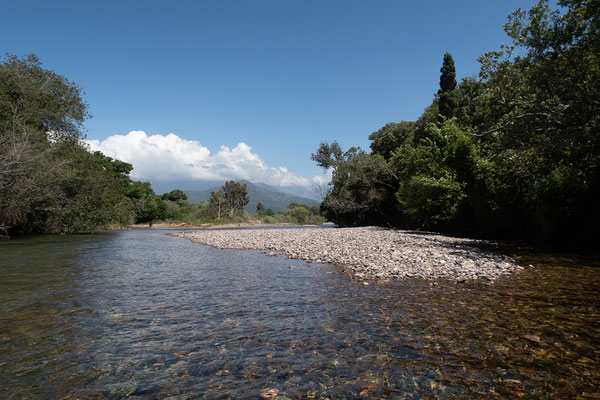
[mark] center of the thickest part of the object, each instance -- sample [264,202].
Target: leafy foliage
[391,136]
[217,203]
[230,198]
[178,196]
[362,187]
[297,214]
[48,180]
[328,155]
[516,153]
[236,196]
[433,174]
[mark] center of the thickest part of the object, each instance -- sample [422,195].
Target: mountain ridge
[273,198]
[191,185]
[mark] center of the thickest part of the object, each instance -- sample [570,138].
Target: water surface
[140,314]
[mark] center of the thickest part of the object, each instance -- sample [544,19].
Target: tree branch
[499,128]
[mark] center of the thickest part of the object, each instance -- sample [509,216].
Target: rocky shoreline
[183,225]
[370,252]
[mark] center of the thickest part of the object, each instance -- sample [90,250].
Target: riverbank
[370,252]
[182,225]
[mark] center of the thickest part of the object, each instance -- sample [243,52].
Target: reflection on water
[139,314]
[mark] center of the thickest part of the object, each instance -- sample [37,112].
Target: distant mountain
[295,190]
[270,198]
[164,187]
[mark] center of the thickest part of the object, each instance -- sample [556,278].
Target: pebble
[370,252]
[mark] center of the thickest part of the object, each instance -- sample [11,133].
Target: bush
[300,214]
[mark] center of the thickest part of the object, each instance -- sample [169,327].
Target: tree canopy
[236,196]
[49,181]
[230,198]
[328,155]
[177,196]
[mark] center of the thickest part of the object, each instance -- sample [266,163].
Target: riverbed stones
[370,252]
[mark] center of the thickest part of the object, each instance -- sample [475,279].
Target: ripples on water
[140,314]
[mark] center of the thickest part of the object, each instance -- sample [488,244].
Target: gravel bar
[370,252]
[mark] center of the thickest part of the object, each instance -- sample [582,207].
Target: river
[139,314]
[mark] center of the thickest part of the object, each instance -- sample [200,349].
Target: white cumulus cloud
[169,157]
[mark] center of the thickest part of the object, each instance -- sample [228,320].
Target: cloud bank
[167,158]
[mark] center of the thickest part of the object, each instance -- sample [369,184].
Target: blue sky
[278,76]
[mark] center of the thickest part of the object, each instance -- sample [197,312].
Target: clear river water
[139,314]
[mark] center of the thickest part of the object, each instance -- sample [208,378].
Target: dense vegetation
[48,182]
[226,206]
[513,154]
[295,214]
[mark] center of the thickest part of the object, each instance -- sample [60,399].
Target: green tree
[391,136]
[363,186]
[217,202]
[117,169]
[48,181]
[236,196]
[260,208]
[91,197]
[293,205]
[147,206]
[434,175]
[177,196]
[471,110]
[300,214]
[542,136]
[328,155]
[447,93]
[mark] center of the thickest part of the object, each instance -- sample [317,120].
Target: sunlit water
[140,314]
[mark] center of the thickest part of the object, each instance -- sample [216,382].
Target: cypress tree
[448,97]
